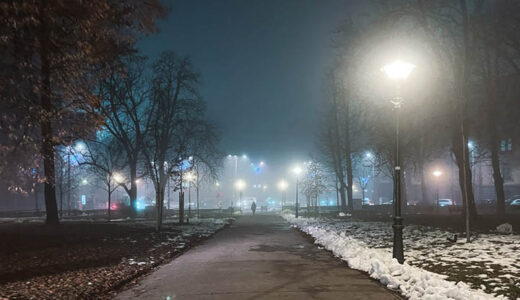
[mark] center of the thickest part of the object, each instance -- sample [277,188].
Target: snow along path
[364,248]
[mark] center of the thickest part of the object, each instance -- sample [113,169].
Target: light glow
[437,173]
[297,170]
[398,69]
[240,184]
[118,177]
[282,185]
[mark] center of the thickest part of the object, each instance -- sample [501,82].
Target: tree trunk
[69,184]
[61,193]
[498,181]
[159,203]
[424,189]
[343,197]
[461,164]
[350,182]
[132,193]
[109,201]
[198,208]
[181,207]
[47,149]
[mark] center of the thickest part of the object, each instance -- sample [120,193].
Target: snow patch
[410,281]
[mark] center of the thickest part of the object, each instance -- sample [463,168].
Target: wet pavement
[258,257]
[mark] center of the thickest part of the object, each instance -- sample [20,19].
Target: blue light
[258,170]
[186,164]
[83,200]
[139,205]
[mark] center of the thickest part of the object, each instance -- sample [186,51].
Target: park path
[257,257]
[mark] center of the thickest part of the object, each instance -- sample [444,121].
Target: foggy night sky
[262,65]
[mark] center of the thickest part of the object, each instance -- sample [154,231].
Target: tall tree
[57,48]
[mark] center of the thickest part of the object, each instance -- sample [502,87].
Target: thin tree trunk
[338,207]
[498,181]
[132,193]
[422,177]
[350,182]
[159,202]
[181,207]
[109,203]
[348,157]
[198,208]
[47,149]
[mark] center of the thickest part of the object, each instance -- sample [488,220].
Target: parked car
[512,198]
[445,202]
[515,204]
[388,202]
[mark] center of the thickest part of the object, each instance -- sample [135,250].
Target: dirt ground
[87,260]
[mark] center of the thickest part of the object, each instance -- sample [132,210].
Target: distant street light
[118,178]
[398,71]
[296,171]
[240,186]
[282,185]
[190,177]
[437,174]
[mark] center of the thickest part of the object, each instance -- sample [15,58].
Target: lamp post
[437,174]
[189,178]
[297,171]
[397,71]
[282,185]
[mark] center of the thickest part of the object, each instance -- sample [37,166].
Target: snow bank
[412,282]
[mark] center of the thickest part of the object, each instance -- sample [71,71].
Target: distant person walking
[253,207]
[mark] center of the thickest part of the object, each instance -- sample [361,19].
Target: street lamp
[397,71]
[437,174]
[118,178]
[297,171]
[282,185]
[240,185]
[190,177]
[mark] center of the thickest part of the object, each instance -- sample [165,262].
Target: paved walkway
[258,257]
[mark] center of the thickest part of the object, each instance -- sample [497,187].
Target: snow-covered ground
[486,268]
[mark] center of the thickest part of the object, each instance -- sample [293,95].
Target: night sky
[262,65]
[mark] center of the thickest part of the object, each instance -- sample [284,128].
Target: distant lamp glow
[262,164]
[471,145]
[84,182]
[437,173]
[79,147]
[282,185]
[297,170]
[368,155]
[118,177]
[190,177]
[244,156]
[217,183]
[240,184]
[398,69]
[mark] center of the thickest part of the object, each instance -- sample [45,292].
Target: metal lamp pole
[398,251]
[398,71]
